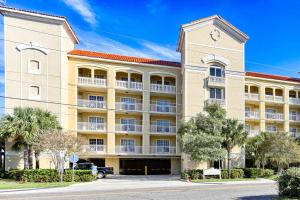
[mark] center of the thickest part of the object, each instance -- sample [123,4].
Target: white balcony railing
[221,102]
[91,104]
[99,149]
[163,88]
[163,129]
[252,114]
[274,116]
[129,85]
[87,81]
[294,118]
[252,132]
[155,107]
[88,126]
[295,134]
[294,100]
[274,98]
[163,150]
[216,80]
[129,150]
[252,96]
[129,106]
[129,128]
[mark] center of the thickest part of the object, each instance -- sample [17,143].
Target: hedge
[50,175]
[235,173]
[257,172]
[289,183]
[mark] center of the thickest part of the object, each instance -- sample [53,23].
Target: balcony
[93,127]
[293,100]
[221,102]
[295,134]
[159,108]
[252,96]
[272,98]
[129,150]
[163,150]
[216,81]
[128,128]
[94,82]
[124,106]
[94,149]
[157,129]
[138,86]
[274,116]
[171,89]
[84,103]
[252,115]
[295,118]
[252,132]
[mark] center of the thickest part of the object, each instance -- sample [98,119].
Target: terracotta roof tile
[123,58]
[275,77]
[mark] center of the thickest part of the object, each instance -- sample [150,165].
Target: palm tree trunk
[228,162]
[26,164]
[30,157]
[37,159]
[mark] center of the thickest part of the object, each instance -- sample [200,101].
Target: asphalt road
[259,191]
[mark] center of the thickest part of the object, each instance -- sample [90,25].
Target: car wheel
[101,175]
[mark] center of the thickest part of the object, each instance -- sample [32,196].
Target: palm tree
[24,126]
[234,135]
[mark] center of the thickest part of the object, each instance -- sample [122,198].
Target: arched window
[216,70]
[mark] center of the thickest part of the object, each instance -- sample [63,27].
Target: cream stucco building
[128,109]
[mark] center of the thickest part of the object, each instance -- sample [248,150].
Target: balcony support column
[129,79]
[262,107]
[111,111]
[286,111]
[92,73]
[146,115]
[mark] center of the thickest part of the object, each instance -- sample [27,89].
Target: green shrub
[193,173]
[88,177]
[252,172]
[68,178]
[289,182]
[40,175]
[81,175]
[267,172]
[15,174]
[184,175]
[224,174]
[237,173]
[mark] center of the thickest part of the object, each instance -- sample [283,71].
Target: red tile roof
[275,77]
[124,58]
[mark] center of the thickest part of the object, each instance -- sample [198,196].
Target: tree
[24,126]
[201,138]
[56,141]
[234,135]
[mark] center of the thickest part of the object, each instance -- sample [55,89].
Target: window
[247,128]
[128,103]
[163,126]
[159,82]
[127,145]
[34,92]
[162,146]
[216,93]
[34,67]
[270,110]
[163,106]
[128,124]
[271,128]
[247,112]
[96,144]
[215,71]
[167,83]
[123,78]
[293,115]
[100,76]
[96,101]
[95,123]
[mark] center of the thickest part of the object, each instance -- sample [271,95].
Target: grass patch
[222,180]
[10,184]
[273,177]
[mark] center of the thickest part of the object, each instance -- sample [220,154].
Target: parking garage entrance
[145,166]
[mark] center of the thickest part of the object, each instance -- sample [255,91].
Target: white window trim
[34,71]
[96,117]
[36,97]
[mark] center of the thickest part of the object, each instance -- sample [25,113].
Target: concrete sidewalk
[113,183]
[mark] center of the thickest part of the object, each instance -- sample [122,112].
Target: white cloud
[84,9]
[95,42]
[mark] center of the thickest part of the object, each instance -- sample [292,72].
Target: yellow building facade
[127,110]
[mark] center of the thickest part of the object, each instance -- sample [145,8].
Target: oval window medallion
[215,34]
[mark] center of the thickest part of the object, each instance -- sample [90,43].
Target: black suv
[101,171]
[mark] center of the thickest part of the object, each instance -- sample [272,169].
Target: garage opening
[97,161]
[141,166]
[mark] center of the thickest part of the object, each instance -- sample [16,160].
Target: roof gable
[217,21]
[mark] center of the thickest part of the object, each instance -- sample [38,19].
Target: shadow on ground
[259,197]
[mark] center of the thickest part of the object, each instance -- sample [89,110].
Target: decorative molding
[215,58]
[195,68]
[33,45]
[234,73]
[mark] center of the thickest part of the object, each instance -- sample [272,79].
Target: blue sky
[149,28]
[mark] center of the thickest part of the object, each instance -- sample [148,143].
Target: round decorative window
[215,34]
